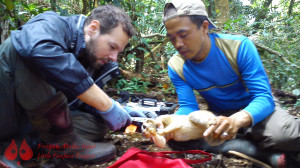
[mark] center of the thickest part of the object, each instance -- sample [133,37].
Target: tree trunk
[53,3]
[262,14]
[85,7]
[223,11]
[291,7]
[139,65]
[209,8]
[4,30]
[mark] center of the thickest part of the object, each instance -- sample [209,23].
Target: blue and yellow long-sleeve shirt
[231,78]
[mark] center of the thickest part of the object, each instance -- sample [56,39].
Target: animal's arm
[170,123]
[202,117]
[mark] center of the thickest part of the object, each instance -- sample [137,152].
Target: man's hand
[226,128]
[116,117]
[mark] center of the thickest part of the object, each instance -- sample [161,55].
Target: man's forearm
[95,97]
[242,118]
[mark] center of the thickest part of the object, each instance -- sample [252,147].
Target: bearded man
[50,60]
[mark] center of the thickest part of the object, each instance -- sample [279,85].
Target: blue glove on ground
[116,117]
[134,112]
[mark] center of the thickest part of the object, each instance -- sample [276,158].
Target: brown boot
[53,123]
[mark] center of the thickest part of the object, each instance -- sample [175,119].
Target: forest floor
[124,141]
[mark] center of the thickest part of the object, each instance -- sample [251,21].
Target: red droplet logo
[11,152]
[25,151]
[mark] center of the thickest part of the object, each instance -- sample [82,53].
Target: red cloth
[135,157]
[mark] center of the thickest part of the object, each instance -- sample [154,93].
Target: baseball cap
[186,8]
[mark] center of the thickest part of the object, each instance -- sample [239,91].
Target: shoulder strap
[176,63]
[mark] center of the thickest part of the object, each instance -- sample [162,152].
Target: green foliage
[19,13]
[284,38]
[297,104]
[277,31]
[28,11]
[134,85]
[9,4]
[146,16]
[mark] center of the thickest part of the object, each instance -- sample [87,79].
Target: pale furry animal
[187,127]
[183,127]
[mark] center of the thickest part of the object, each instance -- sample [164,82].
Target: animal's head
[149,128]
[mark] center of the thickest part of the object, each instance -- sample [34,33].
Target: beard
[90,56]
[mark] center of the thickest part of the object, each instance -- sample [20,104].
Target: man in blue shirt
[227,72]
[52,58]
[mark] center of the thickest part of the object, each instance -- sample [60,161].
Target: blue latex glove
[134,112]
[116,117]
